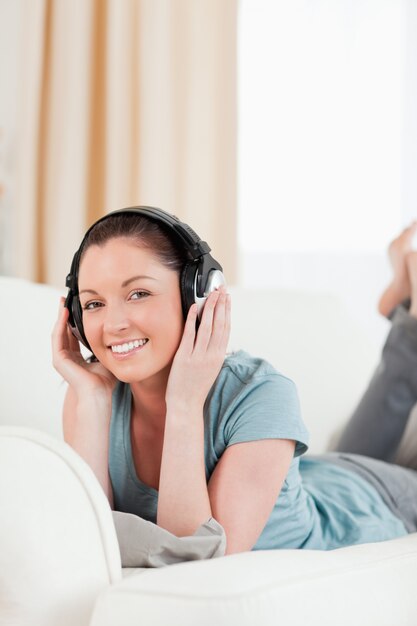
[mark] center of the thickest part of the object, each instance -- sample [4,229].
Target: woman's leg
[406,454]
[396,485]
[378,423]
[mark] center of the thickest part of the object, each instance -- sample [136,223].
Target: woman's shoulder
[253,400]
[247,367]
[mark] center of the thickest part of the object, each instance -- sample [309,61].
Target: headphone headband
[193,245]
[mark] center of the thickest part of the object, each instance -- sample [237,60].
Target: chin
[132,374]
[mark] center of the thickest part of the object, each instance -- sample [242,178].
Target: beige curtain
[124,102]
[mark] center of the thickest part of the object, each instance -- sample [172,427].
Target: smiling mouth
[129,346]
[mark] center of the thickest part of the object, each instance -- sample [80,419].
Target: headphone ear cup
[77,316]
[187,284]
[212,279]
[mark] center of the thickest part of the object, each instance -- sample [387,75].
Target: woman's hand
[200,356]
[69,362]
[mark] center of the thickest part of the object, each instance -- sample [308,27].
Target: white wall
[327,144]
[318,257]
[11,14]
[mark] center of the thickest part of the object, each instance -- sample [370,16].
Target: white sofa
[59,557]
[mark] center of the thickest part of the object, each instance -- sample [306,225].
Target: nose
[115,320]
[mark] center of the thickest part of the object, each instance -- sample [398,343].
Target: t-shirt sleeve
[267,408]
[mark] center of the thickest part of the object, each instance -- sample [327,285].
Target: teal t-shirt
[321,505]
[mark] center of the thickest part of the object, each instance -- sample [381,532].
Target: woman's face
[132,312]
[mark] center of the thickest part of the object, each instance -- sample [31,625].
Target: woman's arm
[86,424]
[87,406]
[183,503]
[244,488]
[241,493]
[248,478]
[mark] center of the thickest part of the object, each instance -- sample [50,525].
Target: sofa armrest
[58,546]
[372,584]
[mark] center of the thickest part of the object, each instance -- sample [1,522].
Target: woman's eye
[89,306]
[138,295]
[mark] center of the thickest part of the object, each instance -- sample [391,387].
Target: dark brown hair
[145,232]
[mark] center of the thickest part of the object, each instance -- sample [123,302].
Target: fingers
[188,337]
[214,329]
[60,326]
[228,322]
[205,329]
[62,337]
[221,323]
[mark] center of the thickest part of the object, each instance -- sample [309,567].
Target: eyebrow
[125,283]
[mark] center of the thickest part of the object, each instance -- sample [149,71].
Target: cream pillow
[144,544]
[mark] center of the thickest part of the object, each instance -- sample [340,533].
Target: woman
[178,432]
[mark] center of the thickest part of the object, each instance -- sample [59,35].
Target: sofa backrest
[31,390]
[309,337]
[313,339]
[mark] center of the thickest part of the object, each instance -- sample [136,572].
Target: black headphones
[200,275]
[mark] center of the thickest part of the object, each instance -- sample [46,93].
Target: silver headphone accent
[215,280]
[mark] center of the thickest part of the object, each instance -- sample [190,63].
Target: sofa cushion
[369,584]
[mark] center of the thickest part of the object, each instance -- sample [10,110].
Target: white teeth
[127,347]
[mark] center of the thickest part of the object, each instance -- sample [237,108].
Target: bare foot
[400,287]
[411,262]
